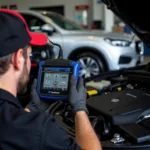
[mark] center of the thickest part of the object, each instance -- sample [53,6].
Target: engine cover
[121,107]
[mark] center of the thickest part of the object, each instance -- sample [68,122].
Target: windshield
[64,23]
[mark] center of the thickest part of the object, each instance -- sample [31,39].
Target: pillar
[108,19]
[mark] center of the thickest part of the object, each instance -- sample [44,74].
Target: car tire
[91,64]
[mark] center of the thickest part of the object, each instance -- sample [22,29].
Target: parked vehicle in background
[97,51]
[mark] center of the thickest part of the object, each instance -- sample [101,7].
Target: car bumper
[125,57]
[134,62]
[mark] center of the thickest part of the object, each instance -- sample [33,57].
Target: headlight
[38,55]
[139,47]
[117,42]
[43,54]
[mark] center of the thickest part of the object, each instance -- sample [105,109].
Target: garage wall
[69,4]
[98,10]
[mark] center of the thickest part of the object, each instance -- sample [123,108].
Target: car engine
[119,111]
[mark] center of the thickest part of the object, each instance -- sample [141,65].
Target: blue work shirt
[20,130]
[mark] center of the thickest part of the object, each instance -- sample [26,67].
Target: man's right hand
[77,95]
[85,135]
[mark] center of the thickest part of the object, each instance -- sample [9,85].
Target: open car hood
[134,13]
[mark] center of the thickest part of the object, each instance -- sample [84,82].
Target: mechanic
[30,128]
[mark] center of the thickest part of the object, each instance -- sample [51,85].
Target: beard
[23,80]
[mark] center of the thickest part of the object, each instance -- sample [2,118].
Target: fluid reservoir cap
[115,100]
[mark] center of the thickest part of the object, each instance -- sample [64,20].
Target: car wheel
[91,64]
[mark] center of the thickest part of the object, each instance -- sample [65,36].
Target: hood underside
[135,14]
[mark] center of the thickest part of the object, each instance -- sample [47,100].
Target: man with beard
[29,128]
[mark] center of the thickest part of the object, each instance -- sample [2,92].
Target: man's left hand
[36,104]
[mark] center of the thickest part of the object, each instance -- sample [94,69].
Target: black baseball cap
[14,33]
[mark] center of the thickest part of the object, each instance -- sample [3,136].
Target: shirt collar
[6,96]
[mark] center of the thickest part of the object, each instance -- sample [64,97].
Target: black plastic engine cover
[121,107]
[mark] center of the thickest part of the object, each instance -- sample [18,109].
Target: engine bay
[119,109]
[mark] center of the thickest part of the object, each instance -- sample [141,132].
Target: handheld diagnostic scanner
[54,78]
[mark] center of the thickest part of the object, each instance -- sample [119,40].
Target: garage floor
[146,59]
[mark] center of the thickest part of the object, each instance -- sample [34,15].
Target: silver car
[97,51]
